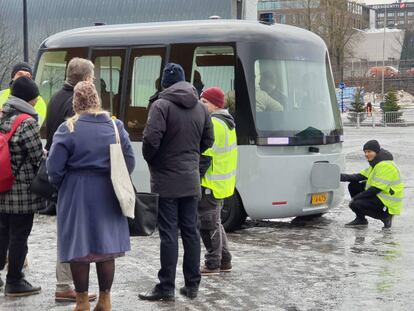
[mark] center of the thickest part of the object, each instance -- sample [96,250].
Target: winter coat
[90,220]
[59,109]
[25,145]
[179,128]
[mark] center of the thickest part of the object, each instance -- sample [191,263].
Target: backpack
[6,174]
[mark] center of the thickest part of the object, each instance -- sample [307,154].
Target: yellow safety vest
[221,175]
[386,177]
[40,106]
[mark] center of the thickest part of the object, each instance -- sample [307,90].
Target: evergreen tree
[357,107]
[357,104]
[391,106]
[391,102]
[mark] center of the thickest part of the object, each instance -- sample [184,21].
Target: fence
[395,118]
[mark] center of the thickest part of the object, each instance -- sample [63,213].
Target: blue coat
[89,217]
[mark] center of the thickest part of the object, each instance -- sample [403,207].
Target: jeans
[14,233]
[212,231]
[372,206]
[173,214]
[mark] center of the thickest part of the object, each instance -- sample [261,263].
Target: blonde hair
[70,123]
[85,101]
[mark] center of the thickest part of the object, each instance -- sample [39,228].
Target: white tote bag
[121,180]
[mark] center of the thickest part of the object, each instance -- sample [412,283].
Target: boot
[387,222]
[82,302]
[104,302]
[358,221]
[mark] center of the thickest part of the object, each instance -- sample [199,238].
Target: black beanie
[172,74]
[21,67]
[24,88]
[372,145]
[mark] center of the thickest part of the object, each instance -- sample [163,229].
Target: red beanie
[214,95]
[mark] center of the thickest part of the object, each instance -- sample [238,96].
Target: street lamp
[25,34]
[383,57]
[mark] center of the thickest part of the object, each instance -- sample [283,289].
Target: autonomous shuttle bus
[278,84]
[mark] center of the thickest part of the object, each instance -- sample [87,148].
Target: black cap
[372,145]
[24,88]
[21,67]
[172,74]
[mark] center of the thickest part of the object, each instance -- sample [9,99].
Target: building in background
[396,15]
[304,13]
[47,17]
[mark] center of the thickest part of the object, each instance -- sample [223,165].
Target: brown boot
[104,301]
[82,302]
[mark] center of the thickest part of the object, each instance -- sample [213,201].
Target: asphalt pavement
[278,264]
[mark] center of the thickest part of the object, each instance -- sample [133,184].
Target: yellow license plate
[319,198]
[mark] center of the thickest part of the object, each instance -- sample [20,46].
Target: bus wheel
[233,214]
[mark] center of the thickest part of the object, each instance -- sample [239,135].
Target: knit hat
[372,145]
[85,97]
[24,88]
[214,95]
[172,74]
[21,67]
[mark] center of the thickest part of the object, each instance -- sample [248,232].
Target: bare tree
[8,53]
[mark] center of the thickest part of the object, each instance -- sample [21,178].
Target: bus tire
[233,214]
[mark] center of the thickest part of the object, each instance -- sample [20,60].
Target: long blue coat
[90,220]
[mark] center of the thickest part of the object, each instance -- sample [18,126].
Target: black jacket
[59,109]
[178,129]
[383,155]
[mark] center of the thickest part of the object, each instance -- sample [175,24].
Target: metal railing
[378,118]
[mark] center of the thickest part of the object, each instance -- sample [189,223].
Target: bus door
[144,84]
[109,67]
[207,66]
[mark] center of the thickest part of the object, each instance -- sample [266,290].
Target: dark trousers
[173,214]
[14,232]
[372,206]
[211,230]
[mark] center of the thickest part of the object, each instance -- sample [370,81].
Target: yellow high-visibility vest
[221,175]
[40,106]
[386,177]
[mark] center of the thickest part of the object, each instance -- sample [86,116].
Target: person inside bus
[377,191]
[265,102]
[105,95]
[268,83]
[198,83]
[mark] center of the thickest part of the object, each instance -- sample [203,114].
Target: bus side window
[108,75]
[144,75]
[214,66]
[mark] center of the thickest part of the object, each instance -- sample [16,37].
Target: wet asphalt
[278,264]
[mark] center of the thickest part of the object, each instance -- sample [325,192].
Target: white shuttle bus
[278,84]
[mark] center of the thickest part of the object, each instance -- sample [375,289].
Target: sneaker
[190,292]
[70,296]
[20,289]
[357,222]
[156,294]
[387,222]
[226,266]
[206,271]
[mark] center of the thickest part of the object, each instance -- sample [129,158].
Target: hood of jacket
[182,94]
[13,106]
[383,155]
[225,116]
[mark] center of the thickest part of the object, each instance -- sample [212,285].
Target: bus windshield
[294,95]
